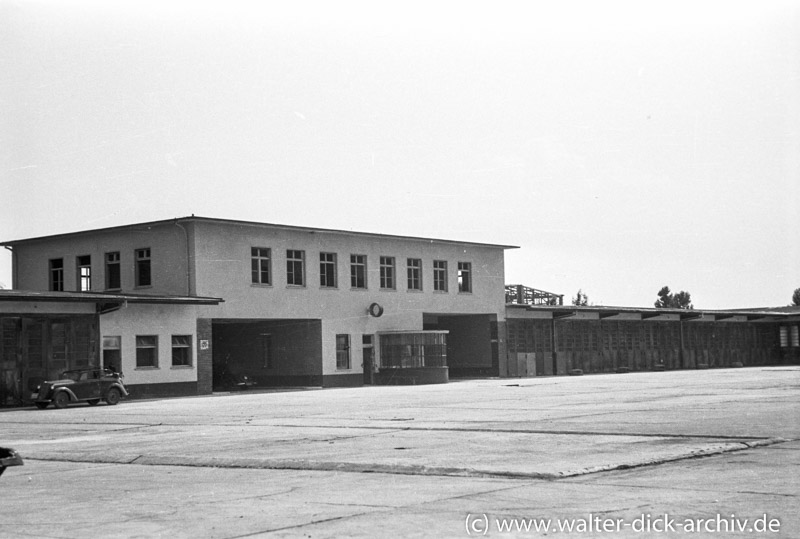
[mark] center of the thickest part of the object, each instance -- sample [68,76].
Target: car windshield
[73,375]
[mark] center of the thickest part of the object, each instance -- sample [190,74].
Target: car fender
[121,389]
[66,390]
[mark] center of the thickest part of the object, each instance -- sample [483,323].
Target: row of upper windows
[83,270]
[261,271]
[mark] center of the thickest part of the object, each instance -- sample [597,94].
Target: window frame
[140,347]
[295,267]
[83,273]
[187,347]
[465,281]
[328,276]
[440,280]
[56,274]
[388,279]
[343,362]
[414,274]
[260,264]
[116,362]
[358,272]
[112,260]
[143,259]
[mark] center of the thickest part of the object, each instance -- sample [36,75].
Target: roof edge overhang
[234,222]
[105,298]
[565,311]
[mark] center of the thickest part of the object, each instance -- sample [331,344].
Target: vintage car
[81,385]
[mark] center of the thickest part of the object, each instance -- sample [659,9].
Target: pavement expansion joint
[399,469]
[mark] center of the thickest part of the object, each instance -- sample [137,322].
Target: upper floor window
[84,273]
[143,275]
[57,274]
[327,270]
[387,272]
[414,266]
[295,267]
[358,271]
[113,274]
[260,265]
[440,275]
[465,277]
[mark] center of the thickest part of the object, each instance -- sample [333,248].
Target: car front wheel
[61,399]
[113,396]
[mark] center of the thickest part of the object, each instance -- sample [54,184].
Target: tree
[668,300]
[580,299]
[796,297]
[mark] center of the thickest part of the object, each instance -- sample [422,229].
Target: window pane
[111,342]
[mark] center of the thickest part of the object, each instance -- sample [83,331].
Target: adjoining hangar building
[181,305]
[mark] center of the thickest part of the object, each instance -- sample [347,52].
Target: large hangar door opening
[271,353]
[471,343]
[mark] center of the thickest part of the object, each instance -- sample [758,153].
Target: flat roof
[563,311]
[105,298]
[194,218]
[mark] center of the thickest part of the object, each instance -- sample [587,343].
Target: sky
[623,146]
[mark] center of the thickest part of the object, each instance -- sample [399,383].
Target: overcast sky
[622,145]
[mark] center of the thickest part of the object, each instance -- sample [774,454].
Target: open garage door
[270,353]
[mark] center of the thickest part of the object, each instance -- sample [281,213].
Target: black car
[81,385]
[9,457]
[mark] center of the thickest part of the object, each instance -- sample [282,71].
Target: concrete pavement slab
[702,444]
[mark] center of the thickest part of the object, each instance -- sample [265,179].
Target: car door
[88,386]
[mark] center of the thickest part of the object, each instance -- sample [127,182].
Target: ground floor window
[146,351]
[112,352]
[181,350]
[343,351]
